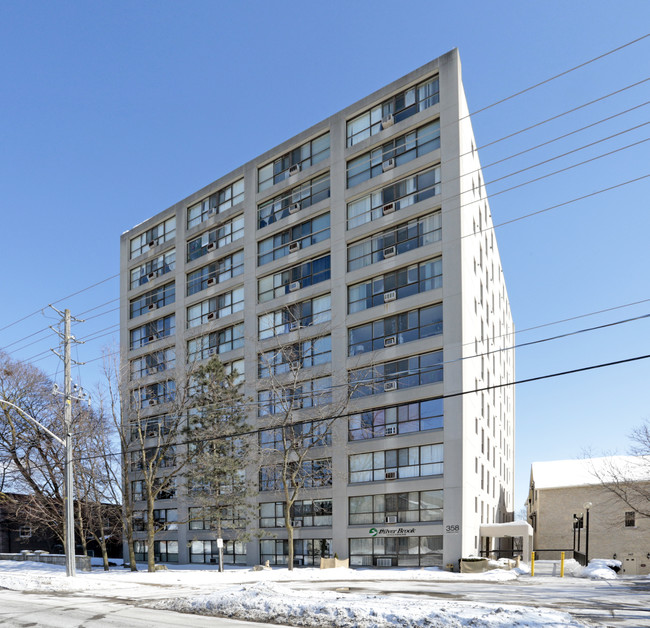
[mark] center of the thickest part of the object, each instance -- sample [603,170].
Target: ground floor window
[404,551]
[164,551]
[305,551]
[234,552]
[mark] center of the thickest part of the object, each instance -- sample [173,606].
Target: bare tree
[219,446]
[298,406]
[628,477]
[114,407]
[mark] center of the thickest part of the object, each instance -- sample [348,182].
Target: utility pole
[68,499]
[70,565]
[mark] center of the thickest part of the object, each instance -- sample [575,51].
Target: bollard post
[561,564]
[532,564]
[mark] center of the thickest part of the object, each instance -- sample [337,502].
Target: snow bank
[274,602]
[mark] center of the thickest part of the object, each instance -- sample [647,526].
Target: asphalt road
[621,602]
[73,610]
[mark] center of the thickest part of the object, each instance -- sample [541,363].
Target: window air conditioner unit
[294,325]
[294,285]
[389,341]
[153,402]
[212,211]
[387,121]
[388,164]
[211,246]
[296,404]
[294,246]
[384,562]
[391,519]
[388,208]
[295,365]
[389,251]
[210,316]
[297,523]
[211,350]
[152,275]
[294,208]
[152,243]
[295,169]
[151,338]
[390,430]
[152,306]
[391,295]
[212,281]
[392,385]
[391,475]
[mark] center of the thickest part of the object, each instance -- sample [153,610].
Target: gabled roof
[589,471]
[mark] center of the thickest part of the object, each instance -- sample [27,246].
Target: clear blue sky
[113,111]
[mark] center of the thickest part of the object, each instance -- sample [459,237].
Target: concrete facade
[455,265]
[560,489]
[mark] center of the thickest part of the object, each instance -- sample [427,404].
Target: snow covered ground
[362,598]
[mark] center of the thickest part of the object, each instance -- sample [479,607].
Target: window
[304,434]
[295,357]
[295,316]
[296,160]
[164,519]
[396,284]
[153,363]
[152,331]
[158,457]
[403,551]
[215,343]
[395,241]
[293,239]
[25,532]
[216,238]
[312,474]
[297,198]
[394,197]
[406,507]
[152,300]
[417,370]
[215,204]
[234,552]
[400,106]
[300,276]
[304,513]
[156,267]
[398,151]
[209,518]
[630,519]
[305,551]
[162,232]
[306,394]
[153,394]
[152,427]
[216,272]
[216,307]
[402,419]
[392,464]
[165,551]
[396,330]
[137,490]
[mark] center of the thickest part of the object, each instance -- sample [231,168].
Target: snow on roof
[509,528]
[589,471]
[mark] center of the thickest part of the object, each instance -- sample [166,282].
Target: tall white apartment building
[372,229]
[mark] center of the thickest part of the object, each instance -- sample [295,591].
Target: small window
[26,532]
[630,519]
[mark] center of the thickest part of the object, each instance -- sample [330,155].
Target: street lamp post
[69,511]
[588,505]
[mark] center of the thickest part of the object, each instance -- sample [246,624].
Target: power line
[556,76]
[443,396]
